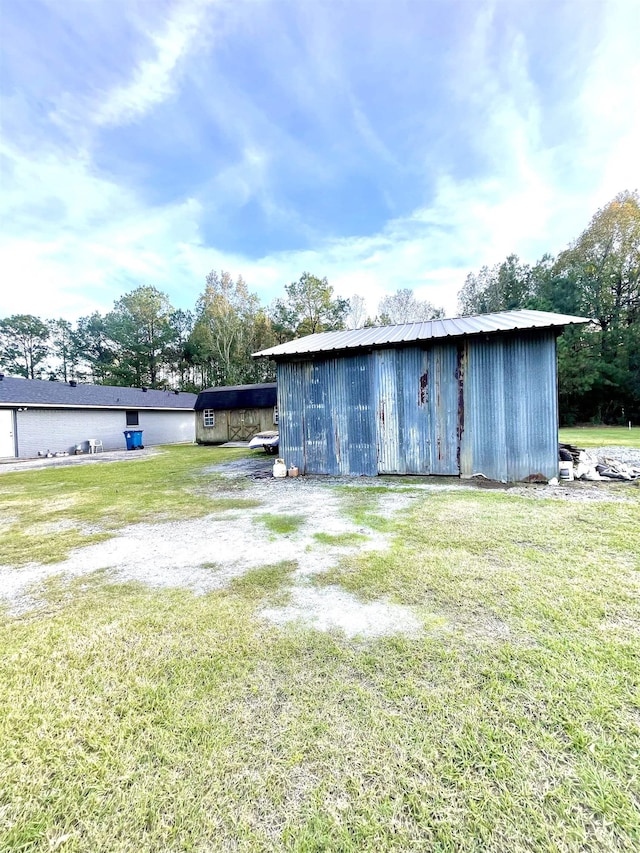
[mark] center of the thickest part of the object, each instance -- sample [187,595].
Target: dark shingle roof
[259,396]
[503,321]
[37,392]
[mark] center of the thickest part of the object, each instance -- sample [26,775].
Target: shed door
[7,440]
[416,394]
[243,424]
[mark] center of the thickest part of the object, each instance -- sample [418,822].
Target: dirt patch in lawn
[208,553]
[331,608]
[577,491]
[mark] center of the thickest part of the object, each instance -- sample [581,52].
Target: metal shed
[235,412]
[457,397]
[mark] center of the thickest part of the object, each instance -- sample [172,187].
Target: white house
[39,417]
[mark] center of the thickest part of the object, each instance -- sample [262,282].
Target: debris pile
[589,466]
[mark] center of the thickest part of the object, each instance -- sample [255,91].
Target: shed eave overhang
[416,334]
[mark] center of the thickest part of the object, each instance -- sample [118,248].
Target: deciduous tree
[598,277]
[357,314]
[503,287]
[310,306]
[403,307]
[223,333]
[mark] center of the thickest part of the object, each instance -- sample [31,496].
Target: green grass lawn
[134,719]
[601,436]
[46,512]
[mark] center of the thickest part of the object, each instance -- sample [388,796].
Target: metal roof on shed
[39,392]
[260,395]
[503,321]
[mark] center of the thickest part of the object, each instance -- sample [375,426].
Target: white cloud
[76,240]
[156,78]
[610,105]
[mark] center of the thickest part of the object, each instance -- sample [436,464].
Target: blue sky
[381,143]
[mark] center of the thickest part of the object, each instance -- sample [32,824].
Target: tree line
[145,341]
[597,276]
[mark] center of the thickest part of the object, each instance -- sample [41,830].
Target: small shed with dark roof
[235,412]
[458,397]
[37,416]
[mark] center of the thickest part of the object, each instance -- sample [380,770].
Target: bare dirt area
[576,491]
[207,553]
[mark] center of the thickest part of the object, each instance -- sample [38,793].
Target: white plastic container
[566,470]
[279,468]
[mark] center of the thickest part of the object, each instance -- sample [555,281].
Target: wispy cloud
[155,78]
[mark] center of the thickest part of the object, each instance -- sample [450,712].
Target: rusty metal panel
[480,405]
[326,416]
[412,376]
[291,394]
[387,415]
[510,408]
[416,410]
[442,398]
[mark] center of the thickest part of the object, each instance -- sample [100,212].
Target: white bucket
[279,468]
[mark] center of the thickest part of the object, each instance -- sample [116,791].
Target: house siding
[54,430]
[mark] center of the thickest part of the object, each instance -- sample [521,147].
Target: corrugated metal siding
[318,427]
[326,416]
[292,380]
[476,406]
[355,390]
[61,429]
[391,411]
[390,451]
[416,417]
[351,438]
[442,403]
[510,408]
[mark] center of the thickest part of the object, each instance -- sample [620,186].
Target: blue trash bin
[133,438]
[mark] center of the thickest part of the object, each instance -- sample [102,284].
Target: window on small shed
[132,419]
[275,415]
[208,417]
